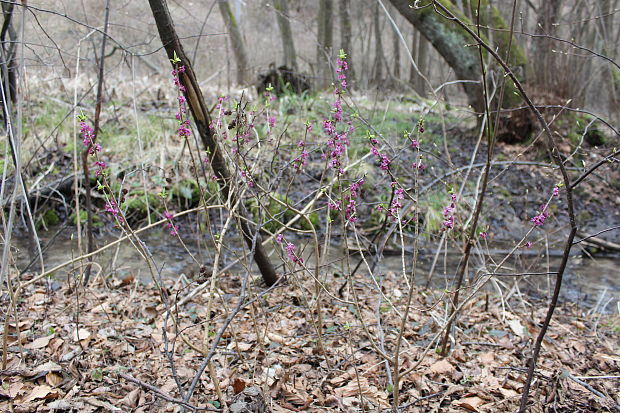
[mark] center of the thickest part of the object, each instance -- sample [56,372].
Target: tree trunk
[324,48]
[202,119]
[8,75]
[379,57]
[236,40]
[346,43]
[414,56]
[452,43]
[396,51]
[423,65]
[288,45]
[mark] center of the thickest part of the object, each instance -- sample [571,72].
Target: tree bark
[325,39]
[346,37]
[202,119]
[236,40]
[9,53]
[288,45]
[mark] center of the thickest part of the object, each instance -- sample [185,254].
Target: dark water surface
[593,282]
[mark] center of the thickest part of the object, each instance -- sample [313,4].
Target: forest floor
[99,348]
[75,344]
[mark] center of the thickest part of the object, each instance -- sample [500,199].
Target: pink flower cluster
[112,208]
[290,250]
[350,212]
[342,66]
[539,220]
[338,141]
[448,213]
[302,159]
[183,131]
[174,229]
[396,205]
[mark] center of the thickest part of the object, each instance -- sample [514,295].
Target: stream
[593,282]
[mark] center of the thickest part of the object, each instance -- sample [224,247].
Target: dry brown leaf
[244,346]
[443,366]
[53,379]
[80,334]
[469,403]
[295,396]
[516,326]
[486,359]
[41,392]
[276,338]
[508,393]
[239,385]
[40,342]
[131,399]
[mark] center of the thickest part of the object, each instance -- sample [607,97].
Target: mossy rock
[137,203]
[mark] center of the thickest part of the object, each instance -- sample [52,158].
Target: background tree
[288,44]
[451,42]
[325,43]
[236,40]
[346,36]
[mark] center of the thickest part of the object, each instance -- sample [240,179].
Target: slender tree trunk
[379,57]
[396,51]
[324,48]
[202,119]
[9,53]
[236,40]
[346,37]
[423,64]
[414,55]
[288,45]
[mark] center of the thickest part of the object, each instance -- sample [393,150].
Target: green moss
[186,192]
[49,218]
[136,202]
[84,217]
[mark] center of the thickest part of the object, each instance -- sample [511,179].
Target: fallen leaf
[487,359]
[80,334]
[469,403]
[443,366]
[41,392]
[53,379]
[239,385]
[40,342]
[516,326]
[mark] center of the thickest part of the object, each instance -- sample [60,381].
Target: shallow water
[592,282]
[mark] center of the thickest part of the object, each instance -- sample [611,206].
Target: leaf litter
[67,352]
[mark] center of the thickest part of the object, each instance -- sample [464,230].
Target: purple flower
[279,238]
[556,191]
[168,215]
[415,144]
[449,223]
[528,245]
[539,220]
[272,121]
[182,99]
[483,234]
[290,251]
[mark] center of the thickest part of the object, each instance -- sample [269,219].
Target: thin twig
[157,392]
